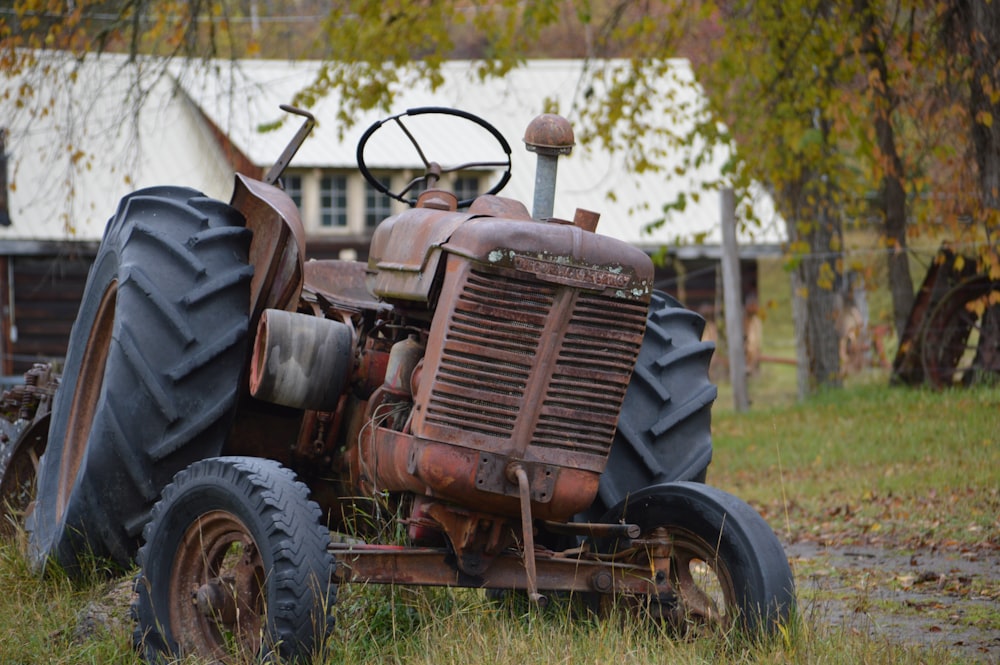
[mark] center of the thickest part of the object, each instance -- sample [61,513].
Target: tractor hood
[407,250]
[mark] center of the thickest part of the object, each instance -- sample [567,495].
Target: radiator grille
[580,409]
[507,335]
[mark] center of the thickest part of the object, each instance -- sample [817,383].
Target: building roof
[74,148]
[173,145]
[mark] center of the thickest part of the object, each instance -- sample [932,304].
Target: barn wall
[46,291]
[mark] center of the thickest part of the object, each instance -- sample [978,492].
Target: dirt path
[926,598]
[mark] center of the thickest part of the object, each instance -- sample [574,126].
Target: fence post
[733,301]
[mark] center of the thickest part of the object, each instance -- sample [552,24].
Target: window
[333,201]
[466,187]
[378,206]
[293,187]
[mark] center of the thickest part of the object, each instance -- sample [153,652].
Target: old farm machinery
[502,391]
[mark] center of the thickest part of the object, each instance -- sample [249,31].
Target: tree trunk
[893,200]
[982,28]
[900,279]
[819,270]
[814,280]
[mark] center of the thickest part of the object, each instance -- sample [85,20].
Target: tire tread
[173,368]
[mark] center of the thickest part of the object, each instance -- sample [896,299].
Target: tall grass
[867,464]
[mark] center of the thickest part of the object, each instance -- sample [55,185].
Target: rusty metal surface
[387,564]
[945,342]
[560,253]
[527,530]
[549,134]
[488,205]
[476,538]
[516,371]
[25,412]
[216,587]
[85,397]
[586,219]
[523,368]
[278,248]
[274,173]
[406,251]
[32,399]
[341,283]
[593,529]
[401,462]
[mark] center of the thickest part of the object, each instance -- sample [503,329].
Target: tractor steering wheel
[432,170]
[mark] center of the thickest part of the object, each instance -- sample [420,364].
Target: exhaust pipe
[549,136]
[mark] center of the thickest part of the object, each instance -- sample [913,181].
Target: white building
[73,149]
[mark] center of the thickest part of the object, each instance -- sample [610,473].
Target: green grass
[869,464]
[898,468]
[40,618]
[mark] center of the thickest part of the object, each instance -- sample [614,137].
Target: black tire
[151,375]
[665,427]
[708,531]
[257,508]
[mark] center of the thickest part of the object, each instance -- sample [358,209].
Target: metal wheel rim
[217,555]
[692,565]
[939,370]
[86,396]
[17,491]
[693,562]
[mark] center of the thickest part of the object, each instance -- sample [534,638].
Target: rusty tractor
[496,399]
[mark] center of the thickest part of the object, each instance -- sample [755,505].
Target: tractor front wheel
[235,566]
[726,568]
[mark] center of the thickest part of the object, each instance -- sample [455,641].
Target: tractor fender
[277,252]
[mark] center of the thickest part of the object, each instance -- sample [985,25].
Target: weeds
[919,465]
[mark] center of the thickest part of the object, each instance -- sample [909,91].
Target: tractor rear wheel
[235,566]
[664,429]
[151,375]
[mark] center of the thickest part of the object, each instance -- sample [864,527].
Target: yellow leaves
[984,118]
[799,247]
[959,263]
[75,155]
[875,81]
[994,269]
[826,278]
[979,305]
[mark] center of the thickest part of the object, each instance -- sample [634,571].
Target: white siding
[170,143]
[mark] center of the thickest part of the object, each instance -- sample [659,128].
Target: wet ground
[930,599]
